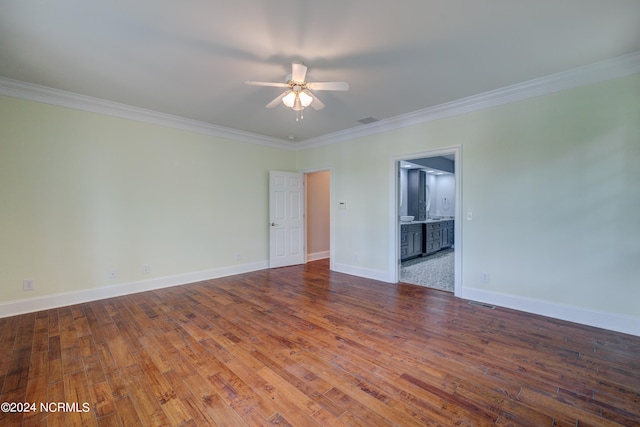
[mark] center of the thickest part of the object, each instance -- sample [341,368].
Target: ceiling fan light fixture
[305,98]
[297,94]
[297,105]
[289,99]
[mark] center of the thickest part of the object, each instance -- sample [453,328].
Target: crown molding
[61,98]
[582,76]
[577,77]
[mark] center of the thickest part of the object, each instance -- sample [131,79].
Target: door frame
[394,224]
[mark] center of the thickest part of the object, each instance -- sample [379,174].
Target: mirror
[427,198]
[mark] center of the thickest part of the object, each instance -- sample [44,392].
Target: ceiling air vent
[368,120]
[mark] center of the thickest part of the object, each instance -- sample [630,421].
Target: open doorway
[427,217]
[318,215]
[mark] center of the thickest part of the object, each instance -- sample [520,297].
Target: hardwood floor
[303,346]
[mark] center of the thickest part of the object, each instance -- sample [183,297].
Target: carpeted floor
[434,271]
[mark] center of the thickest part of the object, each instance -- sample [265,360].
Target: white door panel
[286,222]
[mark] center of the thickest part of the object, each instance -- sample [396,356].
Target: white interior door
[286,219]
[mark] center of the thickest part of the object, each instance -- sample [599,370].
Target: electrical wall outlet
[28,285]
[113,273]
[484,277]
[146,269]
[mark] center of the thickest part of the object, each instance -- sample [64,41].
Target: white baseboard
[46,302]
[611,321]
[599,319]
[317,255]
[367,273]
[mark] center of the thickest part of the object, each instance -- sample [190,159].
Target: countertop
[428,220]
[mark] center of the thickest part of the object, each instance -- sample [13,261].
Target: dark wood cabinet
[410,241]
[437,235]
[446,234]
[417,194]
[432,237]
[425,238]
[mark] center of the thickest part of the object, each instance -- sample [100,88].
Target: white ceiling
[190,58]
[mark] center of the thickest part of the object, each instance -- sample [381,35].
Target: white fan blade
[328,86]
[278,99]
[252,83]
[316,103]
[298,72]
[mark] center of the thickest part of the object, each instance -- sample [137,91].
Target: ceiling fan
[299,92]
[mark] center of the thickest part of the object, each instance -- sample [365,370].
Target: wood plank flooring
[303,346]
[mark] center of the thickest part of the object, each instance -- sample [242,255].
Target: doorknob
[273,224]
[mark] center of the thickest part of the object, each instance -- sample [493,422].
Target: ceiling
[190,58]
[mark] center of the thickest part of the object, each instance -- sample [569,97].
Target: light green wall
[553,183]
[81,193]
